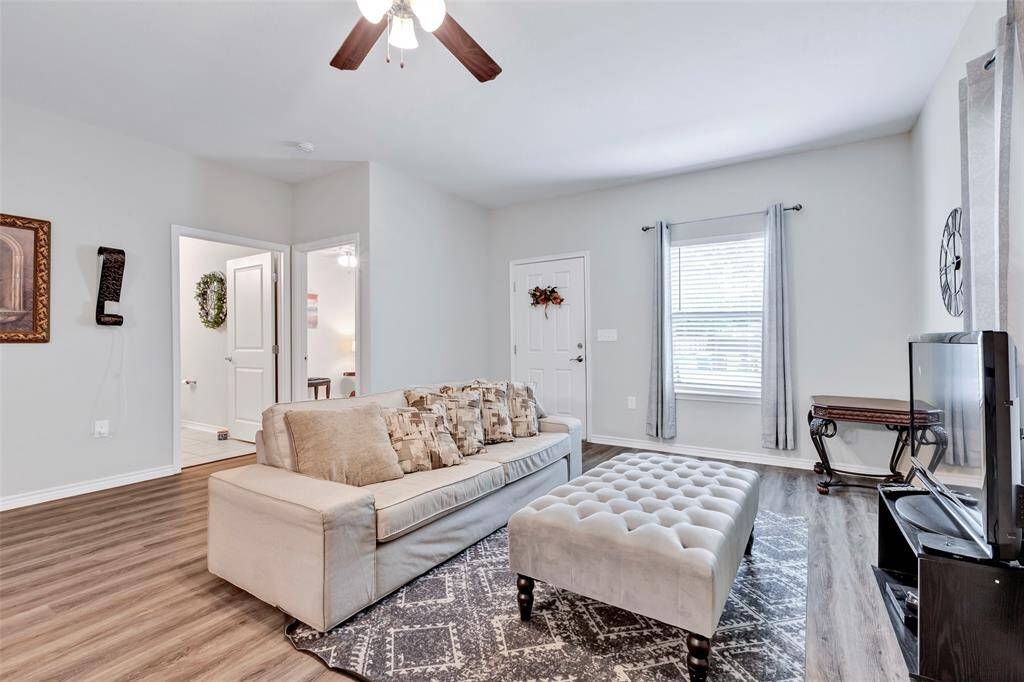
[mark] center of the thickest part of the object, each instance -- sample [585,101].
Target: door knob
[578,358]
[228,358]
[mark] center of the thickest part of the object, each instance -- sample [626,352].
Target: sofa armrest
[574,427]
[302,544]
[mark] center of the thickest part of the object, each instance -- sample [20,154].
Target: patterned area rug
[460,622]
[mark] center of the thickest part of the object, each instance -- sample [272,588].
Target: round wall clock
[951,270]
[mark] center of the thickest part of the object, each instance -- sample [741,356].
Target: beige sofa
[322,551]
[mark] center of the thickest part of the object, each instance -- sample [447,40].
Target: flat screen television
[966,419]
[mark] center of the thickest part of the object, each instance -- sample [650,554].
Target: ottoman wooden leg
[525,597]
[750,544]
[699,649]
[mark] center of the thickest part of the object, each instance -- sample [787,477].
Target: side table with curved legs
[893,414]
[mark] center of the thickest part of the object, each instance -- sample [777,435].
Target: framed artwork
[24,280]
[312,311]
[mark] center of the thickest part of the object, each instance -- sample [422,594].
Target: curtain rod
[794,207]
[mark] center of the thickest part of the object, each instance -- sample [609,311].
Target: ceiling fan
[433,17]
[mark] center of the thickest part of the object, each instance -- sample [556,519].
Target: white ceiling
[592,94]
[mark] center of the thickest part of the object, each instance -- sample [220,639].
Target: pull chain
[388,57]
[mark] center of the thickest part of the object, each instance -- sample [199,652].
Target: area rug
[459,622]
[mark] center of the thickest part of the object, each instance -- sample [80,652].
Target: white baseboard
[947,477]
[727,455]
[199,426]
[73,489]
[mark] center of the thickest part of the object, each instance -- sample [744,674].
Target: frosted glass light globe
[374,10]
[431,13]
[403,33]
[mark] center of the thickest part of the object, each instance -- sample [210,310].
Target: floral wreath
[545,297]
[211,295]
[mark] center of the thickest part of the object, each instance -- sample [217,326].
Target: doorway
[551,345]
[228,341]
[326,323]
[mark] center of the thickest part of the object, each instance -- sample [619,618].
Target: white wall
[330,207]
[203,349]
[99,188]
[935,156]
[849,253]
[329,346]
[429,283]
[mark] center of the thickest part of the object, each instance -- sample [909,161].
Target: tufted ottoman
[659,535]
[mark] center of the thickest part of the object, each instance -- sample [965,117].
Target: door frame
[589,364]
[282,256]
[299,330]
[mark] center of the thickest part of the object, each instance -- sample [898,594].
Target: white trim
[282,259]
[61,491]
[199,426]
[588,365]
[720,454]
[299,329]
[719,397]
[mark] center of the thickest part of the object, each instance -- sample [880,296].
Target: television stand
[968,620]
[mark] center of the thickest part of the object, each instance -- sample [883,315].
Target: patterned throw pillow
[420,438]
[494,409]
[522,409]
[464,419]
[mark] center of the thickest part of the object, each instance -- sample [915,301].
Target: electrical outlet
[101,429]
[631,402]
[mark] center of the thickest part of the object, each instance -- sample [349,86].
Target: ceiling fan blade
[358,44]
[466,50]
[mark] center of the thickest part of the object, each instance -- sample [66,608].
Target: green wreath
[212,297]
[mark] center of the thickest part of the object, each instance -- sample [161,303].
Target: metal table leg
[821,428]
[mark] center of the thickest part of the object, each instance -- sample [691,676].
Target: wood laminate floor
[113,586]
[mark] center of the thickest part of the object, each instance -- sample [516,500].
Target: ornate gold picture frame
[24,280]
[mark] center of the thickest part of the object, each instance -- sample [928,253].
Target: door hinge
[275,349]
[273,277]
[513,287]
[515,349]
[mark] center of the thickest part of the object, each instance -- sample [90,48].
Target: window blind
[717,287]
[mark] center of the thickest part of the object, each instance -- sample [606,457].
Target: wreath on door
[212,297]
[546,296]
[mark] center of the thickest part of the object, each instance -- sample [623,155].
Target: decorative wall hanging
[212,297]
[951,271]
[24,280]
[312,311]
[545,297]
[111,274]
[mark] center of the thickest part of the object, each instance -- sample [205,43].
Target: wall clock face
[951,270]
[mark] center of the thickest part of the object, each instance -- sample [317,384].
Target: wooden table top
[871,410]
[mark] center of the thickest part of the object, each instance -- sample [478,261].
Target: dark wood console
[970,614]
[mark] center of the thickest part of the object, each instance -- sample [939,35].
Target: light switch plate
[631,402]
[101,429]
[607,334]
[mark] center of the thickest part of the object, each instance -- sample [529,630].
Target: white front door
[550,350]
[252,371]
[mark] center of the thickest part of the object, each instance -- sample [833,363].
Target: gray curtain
[661,402]
[778,425]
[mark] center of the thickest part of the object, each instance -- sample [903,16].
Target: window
[717,285]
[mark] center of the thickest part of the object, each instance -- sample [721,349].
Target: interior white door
[549,350]
[251,346]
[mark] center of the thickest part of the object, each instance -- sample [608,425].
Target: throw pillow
[494,409]
[421,438]
[523,410]
[464,419]
[349,446]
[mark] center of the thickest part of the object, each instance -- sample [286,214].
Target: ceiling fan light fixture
[403,33]
[374,10]
[431,13]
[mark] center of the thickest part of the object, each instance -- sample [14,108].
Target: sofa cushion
[494,410]
[417,499]
[522,408]
[277,449]
[421,438]
[347,446]
[463,410]
[524,456]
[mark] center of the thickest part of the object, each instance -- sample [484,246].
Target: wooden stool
[315,383]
